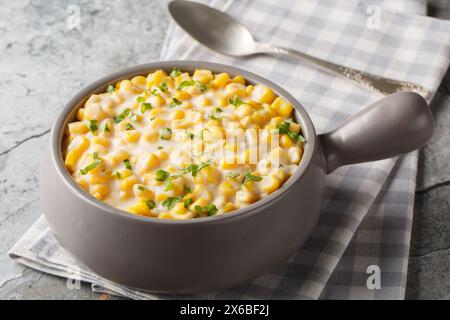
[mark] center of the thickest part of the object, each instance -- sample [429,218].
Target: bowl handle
[396,124]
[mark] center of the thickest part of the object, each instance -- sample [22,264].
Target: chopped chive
[232,175]
[175,102]
[235,101]
[211,209]
[166,133]
[106,127]
[146,106]
[150,204]
[203,87]
[155,92]
[249,177]
[170,202]
[284,128]
[161,175]
[140,187]
[140,99]
[187,189]
[93,126]
[187,202]
[129,127]
[163,87]
[110,88]
[159,147]
[125,113]
[127,164]
[91,166]
[185,83]
[175,72]
[117,175]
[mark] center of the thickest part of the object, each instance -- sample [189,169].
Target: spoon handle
[375,83]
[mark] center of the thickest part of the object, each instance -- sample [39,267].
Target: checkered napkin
[367,211]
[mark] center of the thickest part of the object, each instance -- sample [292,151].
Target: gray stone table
[43,62]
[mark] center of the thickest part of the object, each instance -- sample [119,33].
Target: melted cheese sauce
[182,146]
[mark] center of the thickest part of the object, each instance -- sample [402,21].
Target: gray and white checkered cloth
[367,212]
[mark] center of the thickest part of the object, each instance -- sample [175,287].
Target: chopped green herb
[190,134]
[169,184]
[232,175]
[198,209]
[110,88]
[159,147]
[161,175]
[93,126]
[163,87]
[203,87]
[187,202]
[93,165]
[203,130]
[175,72]
[170,202]
[175,102]
[249,177]
[150,204]
[284,128]
[214,117]
[185,83]
[106,127]
[187,189]
[155,92]
[140,187]
[140,99]
[129,127]
[146,106]
[127,164]
[235,101]
[211,209]
[116,175]
[204,165]
[219,109]
[125,113]
[166,133]
[133,117]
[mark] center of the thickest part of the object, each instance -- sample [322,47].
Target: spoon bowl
[213,28]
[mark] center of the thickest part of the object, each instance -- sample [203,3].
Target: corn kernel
[100,141]
[128,183]
[140,208]
[239,79]
[229,206]
[139,81]
[182,95]
[283,107]
[269,184]
[100,191]
[263,94]
[178,114]
[142,192]
[203,76]
[131,136]
[286,142]
[158,123]
[243,111]
[80,114]
[226,189]
[156,78]
[78,128]
[221,80]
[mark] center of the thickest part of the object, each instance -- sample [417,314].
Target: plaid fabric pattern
[367,212]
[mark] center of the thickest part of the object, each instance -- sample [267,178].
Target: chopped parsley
[106,127]
[116,175]
[163,87]
[125,113]
[129,127]
[166,133]
[235,101]
[155,92]
[187,189]
[284,128]
[185,83]
[140,99]
[127,164]
[146,106]
[210,209]
[140,187]
[187,202]
[232,175]
[150,204]
[170,202]
[161,175]
[110,88]
[93,126]
[249,177]
[175,102]
[93,165]
[175,72]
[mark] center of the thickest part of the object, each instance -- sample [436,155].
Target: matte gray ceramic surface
[188,256]
[220,32]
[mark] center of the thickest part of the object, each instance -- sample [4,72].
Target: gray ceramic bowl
[189,256]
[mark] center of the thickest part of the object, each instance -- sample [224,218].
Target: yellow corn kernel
[82,182]
[78,127]
[281,176]
[181,124]
[244,110]
[170,83]
[160,197]
[80,114]
[269,184]
[142,192]
[165,215]
[100,191]
[278,155]
[229,206]
[239,79]
[295,154]
[295,127]
[140,208]
[249,186]
[124,173]
[235,89]
[201,192]
[139,81]
[263,94]
[199,202]
[226,189]
[204,101]
[246,197]
[156,112]
[158,123]
[203,76]
[250,89]
[152,161]
[72,159]
[117,156]
[128,183]
[131,136]
[162,155]
[178,114]
[212,123]
[180,212]
[246,121]
[182,95]
[286,142]
[152,136]
[100,141]
[221,80]
[156,78]
[93,111]
[100,178]
[283,107]
[79,143]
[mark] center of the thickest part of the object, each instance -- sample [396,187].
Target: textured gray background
[42,63]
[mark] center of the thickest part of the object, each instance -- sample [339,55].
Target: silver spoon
[220,32]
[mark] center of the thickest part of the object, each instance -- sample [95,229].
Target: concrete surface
[42,62]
